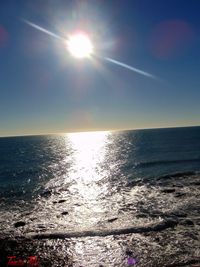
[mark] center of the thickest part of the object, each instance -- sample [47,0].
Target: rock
[2,199]
[142,215]
[180,194]
[196,183]
[33,218]
[112,219]
[19,224]
[46,193]
[129,252]
[41,226]
[193,236]
[77,204]
[187,222]
[65,213]
[169,223]
[168,190]
[179,214]
[61,201]
[134,182]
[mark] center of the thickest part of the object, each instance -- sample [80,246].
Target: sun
[79,45]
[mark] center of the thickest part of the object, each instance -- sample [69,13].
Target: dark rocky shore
[173,240]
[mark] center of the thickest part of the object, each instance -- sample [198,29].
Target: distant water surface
[29,164]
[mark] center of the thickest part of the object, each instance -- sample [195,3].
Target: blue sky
[44,90]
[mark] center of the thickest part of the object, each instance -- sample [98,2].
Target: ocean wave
[177,175]
[168,223]
[164,162]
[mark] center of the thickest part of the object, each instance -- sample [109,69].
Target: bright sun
[79,45]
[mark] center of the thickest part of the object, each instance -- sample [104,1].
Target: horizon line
[87,131]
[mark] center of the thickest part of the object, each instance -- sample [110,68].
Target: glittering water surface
[100,190]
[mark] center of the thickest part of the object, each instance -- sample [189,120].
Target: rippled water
[86,185]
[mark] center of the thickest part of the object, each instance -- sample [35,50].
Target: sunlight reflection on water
[90,192]
[88,153]
[88,156]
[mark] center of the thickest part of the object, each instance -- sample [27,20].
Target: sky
[45,90]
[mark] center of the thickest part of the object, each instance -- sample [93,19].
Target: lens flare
[79,45]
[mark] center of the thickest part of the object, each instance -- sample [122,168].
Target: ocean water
[94,184]
[30,164]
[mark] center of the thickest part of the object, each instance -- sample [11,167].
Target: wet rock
[77,204]
[54,202]
[196,183]
[169,223]
[157,239]
[179,214]
[134,183]
[156,213]
[193,236]
[187,222]
[168,190]
[40,226]
[129,252]
[46,193]
[64,213]
[112,219]
[27,213]
[61,201]
[121,231]
[2,199]
[142,215]
[33,218]
[19,224]
[180,194]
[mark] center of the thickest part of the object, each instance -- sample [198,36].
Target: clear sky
[45,90]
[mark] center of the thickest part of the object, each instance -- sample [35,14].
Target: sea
[99,192]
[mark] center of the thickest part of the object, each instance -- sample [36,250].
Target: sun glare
[79,45]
